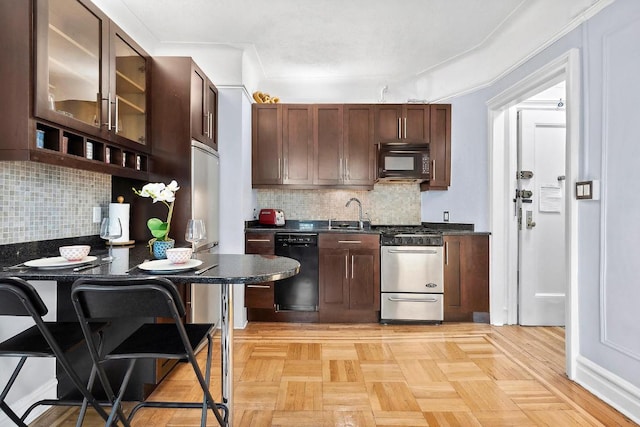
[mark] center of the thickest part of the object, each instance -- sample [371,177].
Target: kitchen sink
[347,225]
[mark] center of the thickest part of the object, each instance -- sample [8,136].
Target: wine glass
[111,228]
[195,233]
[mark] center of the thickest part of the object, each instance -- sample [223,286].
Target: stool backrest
[107,298]
[19,298]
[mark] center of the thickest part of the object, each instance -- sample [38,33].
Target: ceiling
[362,39]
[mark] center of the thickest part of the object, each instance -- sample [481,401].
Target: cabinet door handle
[346,168]
[258,240]
[446,253]
[346,266]
[117,99]
[399,128]
[405,128]
[211,126]
[259,286]
[352,266]
[415,251]
[433,169]
[206,131]
[285,173]
[357,242]
[278,168]
[394,299]
[109,111]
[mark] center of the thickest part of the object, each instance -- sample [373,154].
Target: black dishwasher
[299,292]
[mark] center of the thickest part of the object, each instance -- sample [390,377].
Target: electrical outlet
[445,216]
[97,214]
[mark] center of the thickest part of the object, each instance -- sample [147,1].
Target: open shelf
[88,153]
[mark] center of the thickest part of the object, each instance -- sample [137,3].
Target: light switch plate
[588,190]
[97,214]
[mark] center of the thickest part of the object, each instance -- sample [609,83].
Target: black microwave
[401,161]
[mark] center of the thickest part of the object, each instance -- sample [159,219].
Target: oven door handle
[417,251]
[395,299]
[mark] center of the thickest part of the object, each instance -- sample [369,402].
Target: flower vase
[160,248]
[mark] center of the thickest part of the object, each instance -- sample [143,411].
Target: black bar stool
[102,299]
[44,339]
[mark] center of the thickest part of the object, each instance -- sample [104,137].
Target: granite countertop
[231,268]
[315,226]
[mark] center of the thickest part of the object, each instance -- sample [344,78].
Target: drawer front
[259,295]
[349,240]
[412,307]
[259,243]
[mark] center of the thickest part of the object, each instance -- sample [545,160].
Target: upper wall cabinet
[204,108]
[90,76]
[59,59]
[312,146]
[343,150]
[439,148]
[402,123]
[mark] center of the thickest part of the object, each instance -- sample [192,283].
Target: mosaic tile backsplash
[386,204]
[42,202]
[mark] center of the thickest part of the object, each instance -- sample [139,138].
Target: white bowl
[75,252]
[179,255]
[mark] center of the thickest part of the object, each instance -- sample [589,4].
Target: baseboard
[610,388]
[47,391]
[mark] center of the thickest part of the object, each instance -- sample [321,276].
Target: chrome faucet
[360,217]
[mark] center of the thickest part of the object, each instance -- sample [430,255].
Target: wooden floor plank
[456,374]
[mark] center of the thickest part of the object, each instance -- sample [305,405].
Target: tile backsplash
[385,204]
[42,202]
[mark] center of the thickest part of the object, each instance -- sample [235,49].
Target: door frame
[502,145]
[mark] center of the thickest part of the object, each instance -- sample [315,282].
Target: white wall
[236,197]
[609,321]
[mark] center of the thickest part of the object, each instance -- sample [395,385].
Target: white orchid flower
[173,186]
[166,195]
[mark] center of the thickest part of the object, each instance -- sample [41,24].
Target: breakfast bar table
[224,270]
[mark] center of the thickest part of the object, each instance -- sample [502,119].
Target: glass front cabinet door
[89,76]
[129,65]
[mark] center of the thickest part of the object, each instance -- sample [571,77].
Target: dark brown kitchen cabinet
[89,75]
[439,148]
[402,123]
[466,277]
[349,277]
[312,146]
[259,295]
[204,108]
[297,144]
[328,151]
[343,150]
[43,63]
[282,145]
[359,150]
[266,144]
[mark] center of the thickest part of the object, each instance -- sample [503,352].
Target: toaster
[271,217]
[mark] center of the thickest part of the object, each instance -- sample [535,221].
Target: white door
[541,257]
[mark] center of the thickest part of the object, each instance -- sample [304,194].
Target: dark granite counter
[230,268]
[313,226]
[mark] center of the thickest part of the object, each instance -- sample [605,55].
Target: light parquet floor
[460,374]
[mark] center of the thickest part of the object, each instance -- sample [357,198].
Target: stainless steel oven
[411,276]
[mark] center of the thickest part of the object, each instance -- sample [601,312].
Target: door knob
[530,222]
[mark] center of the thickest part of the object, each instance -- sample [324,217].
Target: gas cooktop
[408,235]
